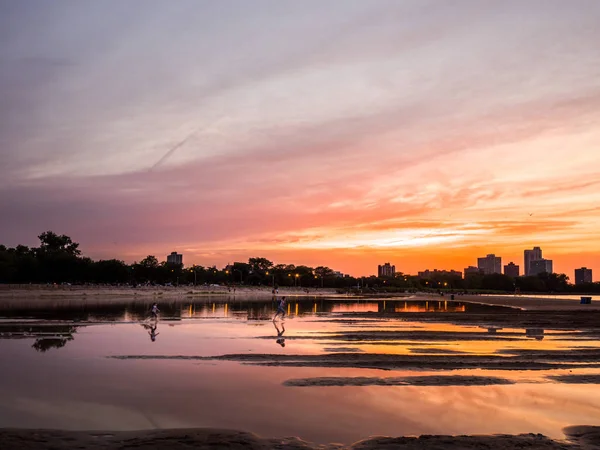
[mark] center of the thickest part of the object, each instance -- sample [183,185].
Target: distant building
[472,270]
[490,264]
[386,270]
[511,269]
[538,266]
[429,274]
[338,274]
[531,255]
[583,275]
[175,258]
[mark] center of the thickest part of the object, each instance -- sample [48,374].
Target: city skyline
[346,134]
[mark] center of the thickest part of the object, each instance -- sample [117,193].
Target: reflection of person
[280,339]
[280,309]
[151,330]
[154,311]
[153,333]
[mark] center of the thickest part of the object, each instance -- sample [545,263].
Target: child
[280,309]
[154,312]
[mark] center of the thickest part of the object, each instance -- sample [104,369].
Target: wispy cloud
[379,129]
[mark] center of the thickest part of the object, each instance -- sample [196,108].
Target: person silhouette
[280,339]
[280,309]
[153,333]
[154,311]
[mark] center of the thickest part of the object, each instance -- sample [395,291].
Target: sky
[344,133]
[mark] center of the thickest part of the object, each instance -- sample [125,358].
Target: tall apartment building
[511,269]
[175,258]
[386,270]
[490,264]
[534,254]
[583,275]
[538,266]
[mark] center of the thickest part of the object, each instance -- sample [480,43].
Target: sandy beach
[112,293]
[580,437]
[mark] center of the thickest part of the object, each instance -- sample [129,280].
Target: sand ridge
[578,437]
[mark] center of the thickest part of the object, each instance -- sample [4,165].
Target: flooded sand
[340,371]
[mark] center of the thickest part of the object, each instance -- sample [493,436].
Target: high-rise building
[538,266]
[175,258]
[583,275]
[490,264]
[386,270]
[472,270]
[534,254]
[511,269]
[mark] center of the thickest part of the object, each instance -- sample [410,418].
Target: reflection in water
[430,306]
[239,309]
[280,339]
[535,333]
[151,328]
[46,336]
[492,330]
[112,367]
[45,344]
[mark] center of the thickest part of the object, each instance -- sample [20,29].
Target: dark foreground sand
[519,360]
[581,437]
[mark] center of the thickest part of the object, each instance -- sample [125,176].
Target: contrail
[263,71]
[173,149]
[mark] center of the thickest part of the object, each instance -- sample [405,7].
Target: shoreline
[108,294]
[576,437]
[14,291]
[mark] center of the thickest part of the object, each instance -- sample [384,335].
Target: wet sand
[384,361]
[580,437]
[549,303]
[430,380]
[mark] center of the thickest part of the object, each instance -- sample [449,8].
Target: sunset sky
[344,133]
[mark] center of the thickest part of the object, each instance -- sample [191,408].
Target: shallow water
[96,366]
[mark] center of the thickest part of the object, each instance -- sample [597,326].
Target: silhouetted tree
[260,264]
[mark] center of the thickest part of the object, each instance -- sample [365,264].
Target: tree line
[58,259]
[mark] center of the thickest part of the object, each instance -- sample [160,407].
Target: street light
[296,278]
[273,275]
[193,269]
[317,276]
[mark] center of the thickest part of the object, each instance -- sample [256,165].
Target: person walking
[154,311]
[280,309]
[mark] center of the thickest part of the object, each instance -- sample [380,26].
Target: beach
[219,347]
[581,438]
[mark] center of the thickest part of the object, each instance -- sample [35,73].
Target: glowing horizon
[347,134]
